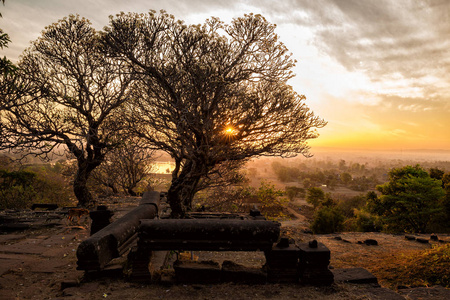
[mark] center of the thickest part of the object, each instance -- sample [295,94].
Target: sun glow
[229,130]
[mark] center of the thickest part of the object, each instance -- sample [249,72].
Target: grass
[416,268]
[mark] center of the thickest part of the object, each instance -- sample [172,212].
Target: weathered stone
[44,206]
[371,291]
[371,242]
[282,264]
[314,256]
[354,275]
[69,284]
[313,264]
[100,218]
[232,272]
[435,292]
[434,237]
[116,238]
[197,272]
[422,241]
[208,234]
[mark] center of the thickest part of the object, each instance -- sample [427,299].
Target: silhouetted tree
[68,95]
[210,94]
[125,166]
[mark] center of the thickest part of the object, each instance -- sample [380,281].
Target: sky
[377,71]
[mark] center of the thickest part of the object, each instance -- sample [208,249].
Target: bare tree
[210,94]
[125,166]
[68,95]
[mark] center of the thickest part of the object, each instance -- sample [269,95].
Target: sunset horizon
[377,72]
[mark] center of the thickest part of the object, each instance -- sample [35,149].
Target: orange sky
[377,71]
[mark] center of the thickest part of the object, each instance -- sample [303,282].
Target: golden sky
[378,71]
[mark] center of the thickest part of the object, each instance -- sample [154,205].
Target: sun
[229,130]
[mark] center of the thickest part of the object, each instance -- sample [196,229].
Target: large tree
[410,201]
[210,94]
[68,94]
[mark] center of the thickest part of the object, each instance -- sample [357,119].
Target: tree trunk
[80,188]
[182,191]
[131,192]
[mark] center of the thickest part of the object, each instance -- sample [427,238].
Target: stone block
[354,275]
[204,272]
[232,272]
[314,256]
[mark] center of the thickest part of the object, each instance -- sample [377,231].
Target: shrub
[16,189]
[327,220]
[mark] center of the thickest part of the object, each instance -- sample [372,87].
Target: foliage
[209,94]
[66,95]
[419,268]
[317,198]
[267,198]
[366,222]
[16,189]
[271,201]
[6,66]
[34,184]
[327,219]
[285,174]
[293,191]
[348,206]
[409,201]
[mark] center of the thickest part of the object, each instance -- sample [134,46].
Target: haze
[377,71]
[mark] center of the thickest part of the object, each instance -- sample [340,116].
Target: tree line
[412,200]
[211,96]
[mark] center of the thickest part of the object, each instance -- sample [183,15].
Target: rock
[434,237]
[435,293]
[410,237]
[371,242]
[354,275]
[422,241]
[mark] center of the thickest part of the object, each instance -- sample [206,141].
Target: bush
[293,191]
[366,222]
[35,184]
[327,220]
[16,189]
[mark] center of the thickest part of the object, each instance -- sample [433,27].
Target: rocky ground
[39,262]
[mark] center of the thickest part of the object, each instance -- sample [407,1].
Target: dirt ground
[41,264]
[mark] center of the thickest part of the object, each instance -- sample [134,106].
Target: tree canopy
[66,93]
[409,201]
[209,94]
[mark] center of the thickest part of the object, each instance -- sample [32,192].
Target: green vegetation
[19,188]
[327,219]
[411,201]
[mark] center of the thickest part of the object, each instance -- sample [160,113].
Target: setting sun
[229,130]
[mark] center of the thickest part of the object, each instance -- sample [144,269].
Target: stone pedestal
[204,272]
[139,262]
[100,218]
[282,264]
[313,264]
